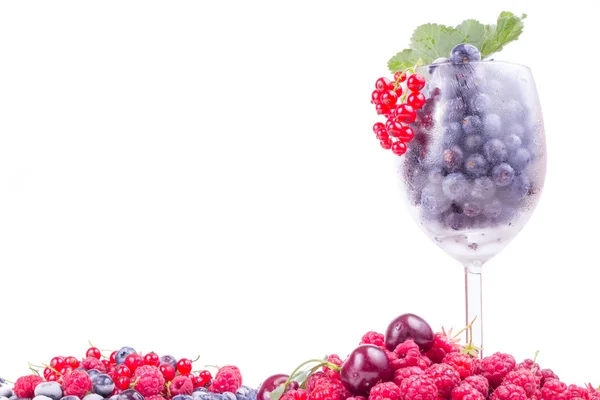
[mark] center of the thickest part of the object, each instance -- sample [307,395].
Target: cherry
[184,366]
[366,366]
[409,326]
[152,359]
[93,352]
[415,82]
[167,371]
[270,384]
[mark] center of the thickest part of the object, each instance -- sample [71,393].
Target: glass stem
[473,300]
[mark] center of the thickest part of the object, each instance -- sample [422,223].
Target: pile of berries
[127,375]
[410,362]
[398,101]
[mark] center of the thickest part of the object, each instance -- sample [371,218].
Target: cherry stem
[320,362]
[196,359]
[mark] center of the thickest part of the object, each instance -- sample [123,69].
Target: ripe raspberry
[155,397]
[181,384]
[372,337]
[148,380]
[554,389]
[402,373]
[593,393]
[577,392]
[547,374]
[356,398]
[293,394]
[480,383]
[313,380]
[24,387]
[445,378]
[523,378]
[77,383]
[465,391]
[336,360]
[385,391]
[463,363]
[508,391]
[328,389]
[409,355]
[418,387]
[227,379]
[442,345]
[93,363]
[496,366]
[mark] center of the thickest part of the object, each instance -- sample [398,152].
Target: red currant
[57,362]
[206,376]
[393,128]
[65,370]
[405,114]
[72,362]
[399,91]
[399,148]
[382,134]
[377,126]
[375,97]
[133,361]
[106,363]
[406,134]
[52,377]
[399,76]
[184,366]
[93,352]
[383,84]
[415,83]
[167,371]
[389,98]
[416,100]
[123,370]
[196,381]
[123,382]
[47,371]
[386,143]
[382,109]
[152,359]
[112,357]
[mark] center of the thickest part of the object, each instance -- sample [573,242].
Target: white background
[200,177]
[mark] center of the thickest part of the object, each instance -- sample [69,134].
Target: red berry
[463,363]
[399,91]
[123,382]
[24,386]
[152,359]
[148,380]
[445,378]
[382,109]
[465,391]
[133,361]
[112,357]
[405,114]
[77,383]
[385,391]
[399,76]
[123,370]
[386,143]
[383,84]
[416,100]
[389,98]
[182,384]
[206,376]
[65,370]
[415,83]
[227,379]
[167,371]
[418,387]
[184,366]
[372,337]
[383,134]
[554,389]
[406,134]
[378,126]
[508,391]
[399,148]
[72,362]
[393,127]
[93,352]
[376,97]
[496,366]
[52,377]
[57,362]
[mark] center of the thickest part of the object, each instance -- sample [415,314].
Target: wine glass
[474,172]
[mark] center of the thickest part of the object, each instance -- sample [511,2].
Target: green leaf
[472,31]
[431,41]
[277,392]
[507,29]
[401,61]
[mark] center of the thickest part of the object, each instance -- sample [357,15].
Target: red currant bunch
[398,101]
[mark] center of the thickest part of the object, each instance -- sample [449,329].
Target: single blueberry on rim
[464,53]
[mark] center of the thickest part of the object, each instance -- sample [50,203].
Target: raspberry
[385,391]
[445,378]
[523,378]
[554,389]
[93,363]
[24,386]
[227,379]
[148,380]
[418,387]
[402,373]
[313,380]
[409,355]
[463,363]
[155,397]
[181,384]
[480,383]
[77,383]
[547,374]
[465,391]
[442,345]
[328,389]
[577,392]
[372,337]
[508,391]
[336,360]
[496,366]
[299,394]
[356,398]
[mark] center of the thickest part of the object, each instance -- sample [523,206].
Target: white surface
[201,178]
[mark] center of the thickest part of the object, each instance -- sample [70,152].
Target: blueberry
[435,175]
[512,141]
[122,354]
[440,60]
[182,397]
[473,142]
[41,397]
[516,191]
[492,125]
[49,389]
[483,188]
[197,395]
[93,396]
[503,174]
[472,208]
[92,372]
[433,200]
[495,151]
[455,221]
[453,158]
[519,159]
[471,124]
[4,398]
[481,103]
[492,209]
[476,165]
[514,109]
[455,186]
[455,110]
[130,394]
[451,132]
[229,396]
[70,397]
[102,384]
[464,53]
[516,129]
[5,390]
[168,359]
